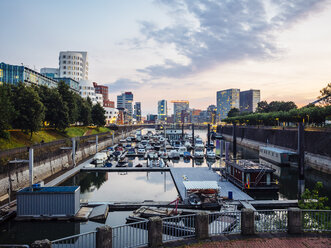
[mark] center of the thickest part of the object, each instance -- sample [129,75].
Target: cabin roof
[249,166]
[274,149]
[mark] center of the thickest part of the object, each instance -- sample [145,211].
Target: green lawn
[19,139]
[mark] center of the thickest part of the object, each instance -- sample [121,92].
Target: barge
[278,156]
[250,176]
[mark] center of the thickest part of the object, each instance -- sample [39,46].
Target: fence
[224,222]
[316,220]
[179,227]
[156,231]
[83,240]
[271,221]
[130,235]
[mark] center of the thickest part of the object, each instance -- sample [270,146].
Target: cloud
[124,84]
[210,33]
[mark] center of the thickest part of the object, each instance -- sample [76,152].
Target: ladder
[260,175]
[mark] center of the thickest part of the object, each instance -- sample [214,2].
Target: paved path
[282,242]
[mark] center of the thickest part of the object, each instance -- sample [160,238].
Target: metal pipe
[227,148]
[192,135]
[222,148]
[73,141]
[208,135]
[96,143]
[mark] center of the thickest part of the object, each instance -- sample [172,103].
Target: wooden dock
[205,174]
[125,169]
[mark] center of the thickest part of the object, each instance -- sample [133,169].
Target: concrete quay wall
[314,161]
[18,174]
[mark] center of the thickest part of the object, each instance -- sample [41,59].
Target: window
[64,72]
[64,61]
[64,56]
[64,67]
[69,57]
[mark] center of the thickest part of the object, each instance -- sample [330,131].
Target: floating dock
[179,175]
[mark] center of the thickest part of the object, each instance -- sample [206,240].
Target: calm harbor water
[140,186]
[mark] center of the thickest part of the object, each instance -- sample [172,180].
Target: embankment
[317,143]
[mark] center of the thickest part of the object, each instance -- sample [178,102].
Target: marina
[136,184]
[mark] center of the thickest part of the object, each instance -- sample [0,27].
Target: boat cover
[191,185]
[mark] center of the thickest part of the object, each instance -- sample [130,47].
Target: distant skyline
[179,49]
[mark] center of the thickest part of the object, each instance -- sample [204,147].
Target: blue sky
[167,49]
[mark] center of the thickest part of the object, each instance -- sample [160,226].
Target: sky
[179,49]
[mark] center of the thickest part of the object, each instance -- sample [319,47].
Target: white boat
[199,146]
[210,154]
[141,151]
[198,153]
[181,150]
[163,153]
[152,155]
[155,163]
[174,154]
[100,158]
[278,156]
[188,145]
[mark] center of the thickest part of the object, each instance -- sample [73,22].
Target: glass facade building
[137,111]
[180,108]
[249,100]
[226,99]
[125,101]
[162,110]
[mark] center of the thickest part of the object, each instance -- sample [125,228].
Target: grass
[19,139]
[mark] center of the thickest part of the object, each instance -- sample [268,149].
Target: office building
[179,107]
[211,114]
[74,65]
[101,89]
[50,72]
[14,74]
[249,100]
[125,101]
[86,89]
[226,100]
[151,118]
[111,115]
[137,111]
[162,110]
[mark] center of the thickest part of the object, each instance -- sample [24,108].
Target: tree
[326,93]
[84,112]
[262,107]
[71,101]
[30,110]
[7,111]
[98,115]
[234,112]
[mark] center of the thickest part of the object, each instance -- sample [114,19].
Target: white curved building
[74,65]
[99,98]
[86,89]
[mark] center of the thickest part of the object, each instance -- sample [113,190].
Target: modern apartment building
[137,111]
[86,89]
[125,101]
[249,100]
[226,99]
[73,64]
[180,106]
[162,110]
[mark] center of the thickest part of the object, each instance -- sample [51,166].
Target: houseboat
[250,176]
[278,156]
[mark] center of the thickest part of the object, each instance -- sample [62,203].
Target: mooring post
[112,143]
[31,167]
[182,132]
[227,148]
[96,143]
[208,136]
[234,141]
[222,148]
[301,160]
[192,135]
[73,141]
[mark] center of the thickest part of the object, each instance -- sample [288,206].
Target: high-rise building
[226,100]
[162,110]
[249,100]
[137,111]
[74,65]
[125,101]
[179,106]
[86,89]
[211,114]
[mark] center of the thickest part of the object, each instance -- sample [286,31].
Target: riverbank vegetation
[30,108]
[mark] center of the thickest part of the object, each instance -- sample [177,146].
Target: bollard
[247,222]
[155,232]
[294,221]
[45,243]
[104,237]
[202,225]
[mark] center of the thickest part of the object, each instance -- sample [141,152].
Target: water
[140,186]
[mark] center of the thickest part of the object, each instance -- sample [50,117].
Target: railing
[271,221]
[83,240]
[14,246]
[224,222]
[130,235]
[179,227]
[316,220]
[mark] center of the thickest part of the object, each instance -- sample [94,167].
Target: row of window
[86,88]
[73,57]
[72,68]
[72,62]
[72,73]
[84,93]
[270,153]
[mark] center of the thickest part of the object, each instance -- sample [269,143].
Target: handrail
[73,236]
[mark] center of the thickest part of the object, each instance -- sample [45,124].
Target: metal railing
[130,235]
[316,220]
[15,246]
[271,220]
[178,227]
[224,222]
[83,240]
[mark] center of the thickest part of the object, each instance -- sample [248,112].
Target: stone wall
[19,173]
